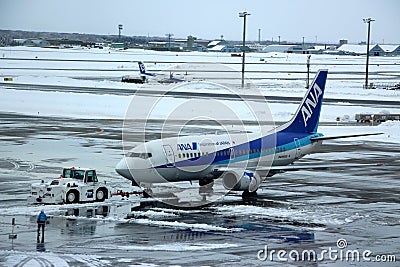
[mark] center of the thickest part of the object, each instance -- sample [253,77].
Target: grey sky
[326,21]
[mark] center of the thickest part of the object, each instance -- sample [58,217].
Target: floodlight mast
[243,15]
[367,20]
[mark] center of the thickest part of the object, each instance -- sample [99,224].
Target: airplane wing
[321,138]
[270,171]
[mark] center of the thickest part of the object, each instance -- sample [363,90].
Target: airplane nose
[123,170]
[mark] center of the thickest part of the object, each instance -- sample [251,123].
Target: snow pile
[151,214]
[298,215]
[181,225]
[39,259]
[175,247]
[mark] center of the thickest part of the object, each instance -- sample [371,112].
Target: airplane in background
[143,71]
[243,161]
[138,79]
[144,75]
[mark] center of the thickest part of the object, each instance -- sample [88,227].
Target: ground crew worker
[41,221]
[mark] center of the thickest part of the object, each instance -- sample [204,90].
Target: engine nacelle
[238,180]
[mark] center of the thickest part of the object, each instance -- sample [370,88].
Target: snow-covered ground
[277,75]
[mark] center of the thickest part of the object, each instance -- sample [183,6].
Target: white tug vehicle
[74,185]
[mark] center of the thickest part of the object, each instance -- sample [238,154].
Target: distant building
[256,47]
[376,50]
[345,49]
[277,48]
[352,50]
[357,50]
[391,50]
[216,42]
[192,44]
[199,47]
[343,41]
[300,49]
[32,42]
[225,48]
[165,46]
[118,45]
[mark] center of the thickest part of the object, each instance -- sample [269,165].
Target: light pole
[169,35]
[243,15]
[308,72]
[119,30]
[368,20]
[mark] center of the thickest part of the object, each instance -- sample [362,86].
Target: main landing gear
[147,193]
[208,182]
[246,195]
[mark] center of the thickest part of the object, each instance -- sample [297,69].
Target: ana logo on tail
[142,70]
[310,103]
[142,67]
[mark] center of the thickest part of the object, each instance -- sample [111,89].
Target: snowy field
[66,107]
[277,75]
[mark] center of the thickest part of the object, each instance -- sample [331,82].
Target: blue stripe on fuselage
[284,140]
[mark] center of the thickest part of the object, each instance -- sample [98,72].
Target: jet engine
[239,180]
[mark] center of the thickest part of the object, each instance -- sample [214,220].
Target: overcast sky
[325,21]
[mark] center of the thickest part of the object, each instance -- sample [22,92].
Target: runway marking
[17,165]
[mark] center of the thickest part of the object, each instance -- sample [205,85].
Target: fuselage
[194,157]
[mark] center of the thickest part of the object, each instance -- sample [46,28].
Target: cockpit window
[139,155]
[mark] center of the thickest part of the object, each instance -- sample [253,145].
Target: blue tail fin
[142,70]
[306,118]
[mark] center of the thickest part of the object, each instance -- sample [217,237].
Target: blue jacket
[42,217]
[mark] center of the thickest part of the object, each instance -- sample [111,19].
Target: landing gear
[147,193]
[208,182]
[246,195]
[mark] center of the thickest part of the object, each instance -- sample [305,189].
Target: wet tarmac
[298,211]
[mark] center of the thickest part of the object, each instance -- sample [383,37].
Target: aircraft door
[298,148]
[169,154]
[231,153]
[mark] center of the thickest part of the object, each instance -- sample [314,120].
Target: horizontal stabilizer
[321,138]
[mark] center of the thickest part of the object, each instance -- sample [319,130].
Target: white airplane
[243,161]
